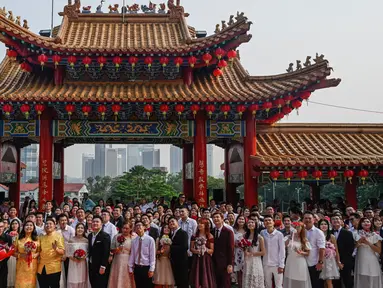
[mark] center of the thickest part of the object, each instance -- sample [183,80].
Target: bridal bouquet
[330,250]
[244,244]
[79,254]
[28,248]
[13,234]
[200,244]
[121,240]
[165,240]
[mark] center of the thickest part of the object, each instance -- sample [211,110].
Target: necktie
[139,251]
[216,233]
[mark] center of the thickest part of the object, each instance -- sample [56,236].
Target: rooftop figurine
[10,16]
[162,9]
[86,9]
[114,8]
[299,65]
[308,62]
[290,68]
[231,20]
[149,9]
[18,20]
[134,8]
[319,58]
[25,25]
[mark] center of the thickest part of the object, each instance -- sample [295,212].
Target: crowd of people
[156,244]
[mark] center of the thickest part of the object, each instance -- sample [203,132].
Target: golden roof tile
[288,145]
[234,85]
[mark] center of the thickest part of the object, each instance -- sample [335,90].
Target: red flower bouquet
[244,244]
[79,254]
[121,239]
[28,248]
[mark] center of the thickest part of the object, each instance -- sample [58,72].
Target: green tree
[99,187]
[176,181]
[215,183]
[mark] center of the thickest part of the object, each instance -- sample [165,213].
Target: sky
[347,32]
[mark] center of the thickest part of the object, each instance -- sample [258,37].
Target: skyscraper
[133,156]
[121,161]
[175,159]
[99,160]
[111,162]
[30,157]
[87,166]
[210,163]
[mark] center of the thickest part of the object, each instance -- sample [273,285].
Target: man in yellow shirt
[52,250]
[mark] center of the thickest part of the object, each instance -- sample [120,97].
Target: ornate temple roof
[234,85]
[288,145]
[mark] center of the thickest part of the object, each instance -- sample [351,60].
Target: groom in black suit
[346,246]
[179,254]
[99,250]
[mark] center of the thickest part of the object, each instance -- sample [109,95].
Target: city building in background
[150,156]
[175,159]
[30,156]
[99,160]
[111,162]
[121,161]
[210,160]
[133,155]
[87,166]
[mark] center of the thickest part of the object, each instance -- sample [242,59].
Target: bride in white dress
[296,269]
[253,276]
[367,269]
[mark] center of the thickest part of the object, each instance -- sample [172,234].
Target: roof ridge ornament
[318,59]
[176,10]
[72,10]
[3,11]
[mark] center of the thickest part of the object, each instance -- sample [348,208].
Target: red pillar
[14,188]
[58,184]
[45,160]
[250,148]
[200,161]
[187,157]
[350,190]
[230,189]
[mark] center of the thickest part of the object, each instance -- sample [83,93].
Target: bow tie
[147,229]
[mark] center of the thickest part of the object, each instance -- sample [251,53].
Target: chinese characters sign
[201,183]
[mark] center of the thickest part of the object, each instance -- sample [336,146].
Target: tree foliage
[99,187]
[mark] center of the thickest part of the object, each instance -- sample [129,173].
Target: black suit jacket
[179,258]
[118,223]
[153,232]
[346,245]
[99,251]
[223,255]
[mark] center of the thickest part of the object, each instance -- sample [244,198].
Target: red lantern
[232,54]
[222,64]
[288,174]
[117,61]
[25,67]
[240,109]
[56,60]
[178,61]
[192,61]
[86,109]
[42,60]
[274,175]
[349,174]
[317,175]
[207,58]
[225,109]
[148,61]
[12,54]
[86,61]
[302,174]
[363,174]
[133,61]
[102,110]
[7,109]
[164,108]
[101,61]
[116,108]
[279,103]
[220,53]
[164,61]
[194,108]
[267,106]
[296,104]
[286,110]
[288,99]
[332,174]
[253,109]
[70,108]
[25,109]
[305,95]
[72,61]
[148,109]
[217,72]
[210,109]
[39,109]
[180,109]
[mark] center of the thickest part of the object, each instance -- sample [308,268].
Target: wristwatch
[320,262]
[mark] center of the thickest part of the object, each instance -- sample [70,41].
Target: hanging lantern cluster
[42,60]
[26,67]
[210,108]
[72,61]
[288,174]
[363,174]
[231,55]
[116,108]
[56,60]
[302,174]
[12,54]
[148,61]
[332,174]
[180,109]
[86,109]
[225,109]
[253,109]
[348,174]
[274,175]
[117,62]
[148,109]
[101,61]
[164,108]
[194,108]
[192,61]
[86,61]
[240,110]
[70,109]
[7,109]
[305,95]
[317,174]
[25,109]
[39,108]
[133,61]
[102,110]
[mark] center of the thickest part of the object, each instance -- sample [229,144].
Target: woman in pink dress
[163,275]
[121,244]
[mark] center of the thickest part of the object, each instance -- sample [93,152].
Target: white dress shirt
[67,233]
[189,226]
[317,241]
[110,229]
[75,222]
[148,253]
[275,249]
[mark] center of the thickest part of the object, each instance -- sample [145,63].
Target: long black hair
[34,232]
[328,232]
[85,229]
[18,222]
[247,235]
[236,225]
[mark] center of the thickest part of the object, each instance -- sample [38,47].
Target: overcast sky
[348,32]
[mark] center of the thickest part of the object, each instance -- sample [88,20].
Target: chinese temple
[141,74]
